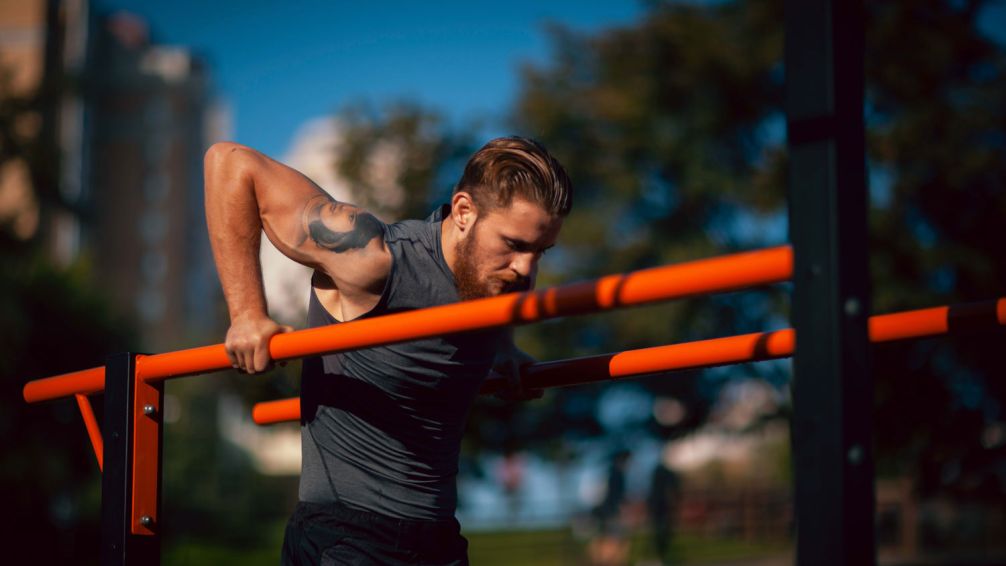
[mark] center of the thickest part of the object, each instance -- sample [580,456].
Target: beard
[466,273]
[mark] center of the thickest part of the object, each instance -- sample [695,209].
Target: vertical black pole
[833,391]
[119,547]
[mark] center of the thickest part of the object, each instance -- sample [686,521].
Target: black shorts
[331,533]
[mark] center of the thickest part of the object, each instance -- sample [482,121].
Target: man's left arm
[509,362]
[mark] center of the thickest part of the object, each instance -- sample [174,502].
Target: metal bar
[147,435]
[714,275]
[119,545]
[93,430]
[278,411]
[755,347]
[631,363]
[83,382]
[833,389]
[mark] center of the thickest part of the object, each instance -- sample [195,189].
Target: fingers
[231,355]
[247,344]
[260,356]
[245,360]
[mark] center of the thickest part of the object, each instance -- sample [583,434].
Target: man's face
[502,252]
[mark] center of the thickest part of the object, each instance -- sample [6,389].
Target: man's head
[508,209]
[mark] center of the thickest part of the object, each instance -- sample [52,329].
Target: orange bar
[83,382]
[631,363]
[708,353]
[93,430]
[725,273]
[147,411]
[935,321]
[277,411]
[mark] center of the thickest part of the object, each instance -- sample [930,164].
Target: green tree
[937,117]
[52,321]
[399,158]
[673,129]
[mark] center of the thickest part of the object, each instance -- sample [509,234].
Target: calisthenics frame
[832,431]
[133,445]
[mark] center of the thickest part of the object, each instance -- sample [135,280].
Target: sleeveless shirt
[381,427]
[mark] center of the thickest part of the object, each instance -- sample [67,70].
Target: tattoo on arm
[363,228]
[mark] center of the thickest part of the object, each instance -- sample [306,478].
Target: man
[381,427]
[663,501]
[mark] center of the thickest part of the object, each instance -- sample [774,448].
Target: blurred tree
[673,130]
[937,145]
[400,159]
[52,321]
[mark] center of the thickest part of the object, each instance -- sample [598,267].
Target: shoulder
[419,232]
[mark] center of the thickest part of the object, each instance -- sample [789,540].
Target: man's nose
[523,264]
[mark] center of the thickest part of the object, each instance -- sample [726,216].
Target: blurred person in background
[511,478]
[663,501]
[611,545]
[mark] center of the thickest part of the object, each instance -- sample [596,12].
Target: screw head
[851,306]
[856,454]
[149,410]
[146,520]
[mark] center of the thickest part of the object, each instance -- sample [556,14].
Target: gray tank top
[381,428]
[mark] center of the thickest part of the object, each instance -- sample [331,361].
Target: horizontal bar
[281,410]
[84,382]
[714,275]
[700,354]
[93,430]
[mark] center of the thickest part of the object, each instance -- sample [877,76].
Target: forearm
[235,228]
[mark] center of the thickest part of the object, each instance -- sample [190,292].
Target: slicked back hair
[516,167]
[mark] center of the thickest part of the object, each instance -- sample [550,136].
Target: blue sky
[280,64]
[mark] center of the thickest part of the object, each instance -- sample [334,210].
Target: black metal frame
[833,391]
[119,546]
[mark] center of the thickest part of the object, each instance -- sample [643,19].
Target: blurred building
[150,116]
[131,121]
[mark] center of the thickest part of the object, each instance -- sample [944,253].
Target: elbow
[225,162]
[220,154]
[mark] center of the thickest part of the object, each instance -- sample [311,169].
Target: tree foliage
[398,158]
[673,130]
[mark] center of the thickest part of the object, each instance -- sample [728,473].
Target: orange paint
[726,273]
[93,430]
[758,346]
[146,454]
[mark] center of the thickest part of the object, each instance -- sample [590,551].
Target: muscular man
[381,427]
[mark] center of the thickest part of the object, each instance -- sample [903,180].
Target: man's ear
[464,213]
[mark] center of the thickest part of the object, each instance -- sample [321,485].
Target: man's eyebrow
[521,244]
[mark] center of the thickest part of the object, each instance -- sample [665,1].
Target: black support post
[833,390]
[119,546]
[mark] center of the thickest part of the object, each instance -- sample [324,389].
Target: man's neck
[449,242]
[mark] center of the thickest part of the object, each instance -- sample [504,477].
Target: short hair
[515,166]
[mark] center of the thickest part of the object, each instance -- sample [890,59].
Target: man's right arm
[247,193]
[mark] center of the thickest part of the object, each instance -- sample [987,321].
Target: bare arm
[247,193]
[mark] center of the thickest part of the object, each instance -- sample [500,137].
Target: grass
[552,547]
[559,547]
